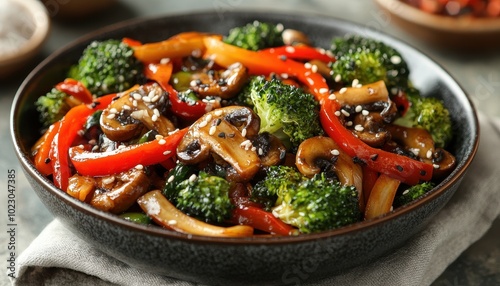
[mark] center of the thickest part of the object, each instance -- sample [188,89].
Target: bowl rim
[36,10]
[450,24]
[85,208]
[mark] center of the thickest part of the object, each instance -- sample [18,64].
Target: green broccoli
[52,106]
[203,196]
[312,205]
[430,114]
[106,67]
[178,174]
[256,36]
[367,60]
[413,193]
[278,179]
[285,111]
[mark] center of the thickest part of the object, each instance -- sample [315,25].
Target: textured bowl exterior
[262,260]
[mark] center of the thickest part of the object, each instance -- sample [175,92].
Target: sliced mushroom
[295,37]
[364,94]
[119,192]
[138,108]
[314,152]
[270,149]
[370,128]
[419,141]
[224,132]
[224,84]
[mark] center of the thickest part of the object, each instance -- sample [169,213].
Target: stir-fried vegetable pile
[254,132]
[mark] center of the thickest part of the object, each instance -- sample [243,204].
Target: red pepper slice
[262,220]
[161,73]
[396,166]
[70,124]
[76,89]
[300,53]
[42,156]
[105,163]
[131,42]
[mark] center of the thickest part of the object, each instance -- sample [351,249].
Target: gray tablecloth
[58,257]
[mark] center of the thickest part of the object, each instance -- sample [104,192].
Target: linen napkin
[58,257]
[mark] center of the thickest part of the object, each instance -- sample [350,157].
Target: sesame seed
[80,132]
[172,222]
[164,61]
[436,166]
[170,179]
[113,110]
[217,122]
[162,141]
[218,112]
[359,128]
[151,94]
[355,82]
[342,90]
[122,147]
[374,157]
[139,167]
[284,75]
[290,49]
[429,154]
[365,112]
[337,113]
[308,73]
[359,85]
[156,112]
[406,191]
[47,160]
[95,148]
[110,116]
[192,178]
[167,152]
[322,51]
[338,78]
[212,130]
[92,141]
[314,68]
[345,112]
[158,136]
[307,65]
[146,99]
[154,117]
[414,151]
[108,180]
[349,123]
[261,152]
[155,98]
[209,117]
[335,152]
[253,149]
[332,96]
[396,60]
[323,90]
[136,96]
[310,81]
[193,83]
[244,132]
[371,91]
[126,107]
[358,108]
[399,168]
[221,135]
[330,53]
[173,132]
[134,103]
[203,124]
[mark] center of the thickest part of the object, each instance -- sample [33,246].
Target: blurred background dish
[456,33]
[24,27]
[76,10]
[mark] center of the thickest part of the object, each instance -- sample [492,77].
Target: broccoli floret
[278,179]
[430,114]
[285,111]
[256,36]
[368,60]
[52,106]
[312,205]
[413,193]
[176,175]
[205,196]
[106,67]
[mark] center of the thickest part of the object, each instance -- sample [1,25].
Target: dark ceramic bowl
[262,260]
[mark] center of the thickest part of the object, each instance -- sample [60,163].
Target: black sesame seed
[47,160]
[222,135]
[113,99]
[218,121]
[283,57]
[357,160]
[374,157]
[399,168]
[423,172]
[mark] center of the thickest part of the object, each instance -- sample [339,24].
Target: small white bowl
[24,27]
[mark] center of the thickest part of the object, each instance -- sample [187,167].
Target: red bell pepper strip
[262,220]
[76,89]
[70,124]
[119,160]
[396,166]
[300,53]
[42,157]
[161,73]
[131,42]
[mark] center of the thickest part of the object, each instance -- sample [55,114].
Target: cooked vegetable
[107,67]
[367,60]
[284,110]
[256,36]
[430,114]
[52,106]
[412,193]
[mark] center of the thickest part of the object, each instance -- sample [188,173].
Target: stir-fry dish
[257,132]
